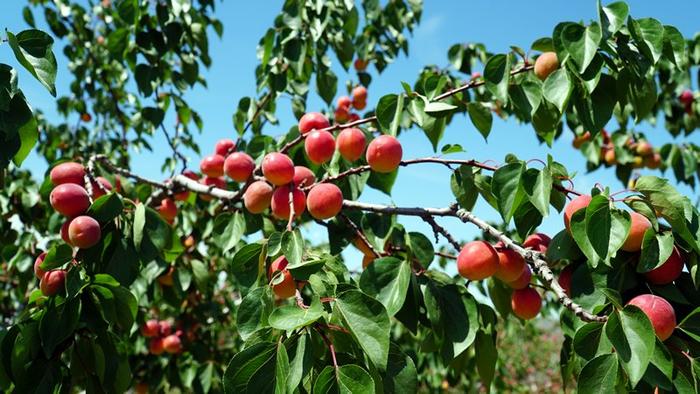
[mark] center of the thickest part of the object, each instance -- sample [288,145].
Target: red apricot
[351,143]
[280,202]
[303,176]
[360,64]
[609,156]
[565,277]
[286,288]
[167,278]
[638,226]
[659,312]
[167,209]
[686,97]
[155,346]
[68,172]
[278,168]
[239,166]
[64,232]
[224,147]
[172,344]
[644,148]
[359,104]
[341,115]
[526,303]
[257,197]
[165,328]
[69,199]
[546,64]
[84,232]
[344,102]
[97,191]
[359,93]
[324,201]
[212,166]
[52,282]
[150,329]
[667,272]
[319,146]
[538,242]
[384,154]
[653,162]
[353,117]
[523,280]
[477,260]
[580,139]
[312,121]
[38,272]
[579,202]
[510,264]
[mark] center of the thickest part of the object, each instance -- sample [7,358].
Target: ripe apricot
[224,147]
[257,197]
[638,226]
[686,97]
[212,166]
[609,156]
[510,264]
[167,278]
[565,278]
[359,104]
[165,328]
[653,162]
[167,209]
[303,176]
[38,272]
[344,102]
[319,146]
[150,328]
[360,64]
[172,344]
[68,172]
[351,143]
[239,166]
[353,117]
[52,282]
[97,191]
[580,139]
[69,199]
[546,64]
[538,242]
[362,247]
[278,168]
[359,93]
[644,149]
[579,202]
[523,280]
[280,202]
[341,115]
[64,232]
[324,201]
[477,260]
[155,346]
[312,121]
[84,232]
[659,312]
[667,272]
[526,303]
[286,288]
[384,154]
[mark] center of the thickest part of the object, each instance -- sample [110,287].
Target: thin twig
[438,229]
[359,233]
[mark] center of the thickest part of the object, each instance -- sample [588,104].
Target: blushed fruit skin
[52,282]
[638,226]
[686,97]
[538,241]
[223,147]
[546,64]
[324,201]
[278,168]
[510,264]
[359,93]
[69,199]
[653,162]
[523,280]
[565,277]
[280,202]
[303,176]
[362,247]
[477,260]
[257,197]
[69,172]
[571,208]
[155,346]
[319,146]
[526,303]
[167,278]
[384,154]
[360,65]
[84,232]
[609,156]
[668,271]
[580,139]
[64,232]
[344,102]
[239,166]
[212,166]
[351,143]
[167,209]
[644,149]
[659,312]
[172,344]
[150,329]
[97,192]
[165,328]
[38,272]
[312,121]
[341,115]
[359,104]
[287,288]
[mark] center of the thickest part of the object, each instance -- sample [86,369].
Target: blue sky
[498,24]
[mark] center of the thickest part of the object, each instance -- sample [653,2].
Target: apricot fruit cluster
[162,339]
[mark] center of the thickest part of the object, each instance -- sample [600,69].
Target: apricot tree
[206,282]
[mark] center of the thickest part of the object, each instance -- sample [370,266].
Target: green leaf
[352,379]
[674,46]
[58,323]
[649,36]
[486,357]
[383,182]
[579,233]
[481,117]
[598,223]
[386,110]
[293,246]
[368,323]
[257,359]
[387,279]
[613,16]
[394,129]
[401,375]
[281,369]
[139,224]
[106,208]
[599,375]
[632,335]
[32,48]
[327,84]
[497,76]
[587,340]
[58,255]
[229,228]
[656,249]
[253,311]
[438,108]
[246,262]
[27,130]
[301,362]
[557,88]
[507,189]
[463,187]
[291,317]
[691,324]
[619,229]
[563,247]
[421,248]
[538,187]
[581,43]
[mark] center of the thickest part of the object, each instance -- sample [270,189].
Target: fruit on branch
[659,312]
[172,344]
[351,143]
[257,197]
[580,139]
[565,278]
[85,117]
[64,232]
[52,282]
[510,264]
[278,168]
[359,93]
[538,242]
[167,278]
[151,328]
[609,155]
[526,303]
[283,283]
[546,64]
[184,195]
[344,102]
[367,260]
[141,388]
[577,203]
[341,115]
[218,182]
[360,64]
[319,146]
[97,191]
[638,226]
[84,232]
[165,328]
[38,272]
[477,260]
[312,121]
[239,166]
[644,149]
[155,346]
[224,147]
[523,280]
[686,98]
[303,176]
[280,202]
[384,154]
[354,117]
[212,166]
[637,162]
[362,246]
[667,272]
[69,199]
[69,172]
[653,161]
[167,209]
[324,201]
